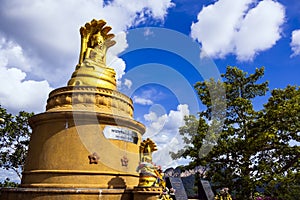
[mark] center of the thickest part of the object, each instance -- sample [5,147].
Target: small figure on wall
[150,174]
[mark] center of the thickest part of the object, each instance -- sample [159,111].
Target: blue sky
[40,41]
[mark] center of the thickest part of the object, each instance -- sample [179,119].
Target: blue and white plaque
[120,133]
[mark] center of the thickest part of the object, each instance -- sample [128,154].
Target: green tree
[14,140]
[281,152]
[239,149]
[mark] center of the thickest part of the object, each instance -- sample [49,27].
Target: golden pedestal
[147,193]
[86,144]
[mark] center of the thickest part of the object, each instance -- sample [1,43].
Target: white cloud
[241,28]
[112,59]
[175,118]
[156,124]
[162,156]
[163,129]
[16,92]
[148,32]
[260,29]
[295,43]
[151,116]
[145,96]
[128,83]
[143,9]
[19,94]
[12,54]
[216,25]
[142,101]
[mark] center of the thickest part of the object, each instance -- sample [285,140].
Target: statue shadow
[116,183]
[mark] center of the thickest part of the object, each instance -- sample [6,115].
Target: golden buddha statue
[91,69]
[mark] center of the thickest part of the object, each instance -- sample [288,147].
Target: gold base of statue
[138,193]
[66,193]
[147,193]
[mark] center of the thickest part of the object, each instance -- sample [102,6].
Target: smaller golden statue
[150,174]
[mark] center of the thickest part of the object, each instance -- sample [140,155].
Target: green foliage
[281,153]
[242,148]
[14,140]
[8,183]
